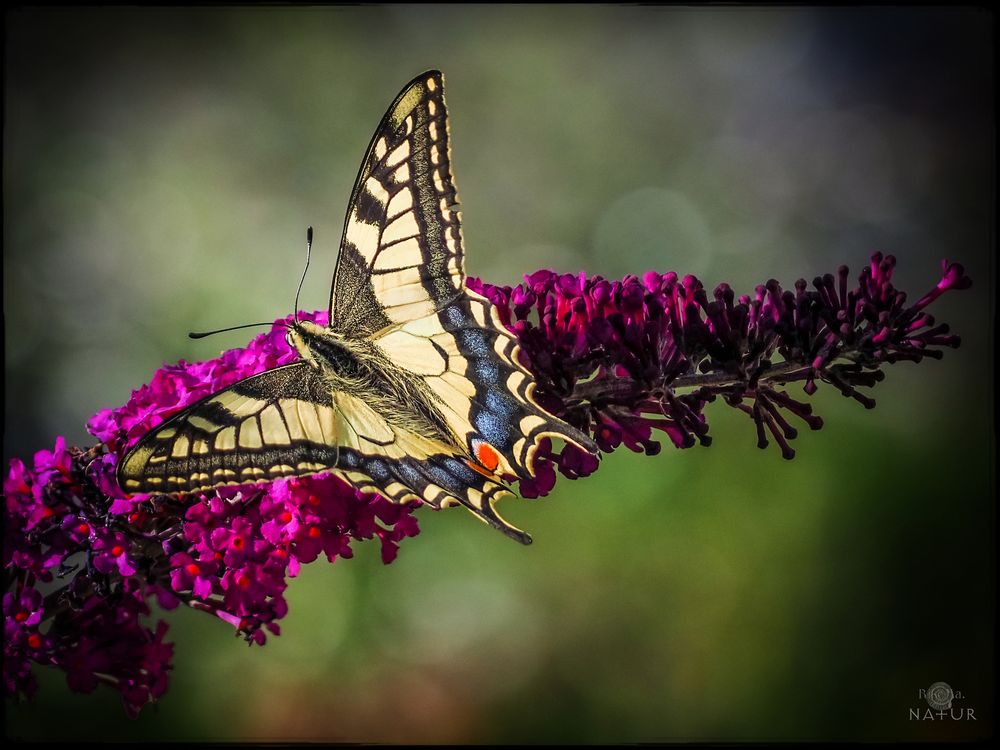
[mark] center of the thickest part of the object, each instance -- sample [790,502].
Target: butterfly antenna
[309,246]
[203,334]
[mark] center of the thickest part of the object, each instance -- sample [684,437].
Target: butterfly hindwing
[470,364]
[416,468]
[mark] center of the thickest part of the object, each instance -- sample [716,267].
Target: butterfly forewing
[401,256]
[282,422]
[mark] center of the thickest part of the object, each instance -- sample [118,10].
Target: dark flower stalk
[617,359]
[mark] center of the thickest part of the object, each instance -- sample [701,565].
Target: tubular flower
[616,359]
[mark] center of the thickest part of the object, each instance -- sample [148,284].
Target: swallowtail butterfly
[414,389]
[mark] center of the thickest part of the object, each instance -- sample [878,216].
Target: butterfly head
[306,337]
[323,348]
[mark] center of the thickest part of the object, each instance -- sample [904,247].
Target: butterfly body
[358,368]
[413,390]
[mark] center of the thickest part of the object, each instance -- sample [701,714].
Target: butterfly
[413,390]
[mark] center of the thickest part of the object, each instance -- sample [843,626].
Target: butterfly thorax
[358,367]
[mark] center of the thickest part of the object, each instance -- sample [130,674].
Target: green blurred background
[160,169]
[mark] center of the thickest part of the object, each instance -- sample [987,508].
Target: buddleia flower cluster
[620,360]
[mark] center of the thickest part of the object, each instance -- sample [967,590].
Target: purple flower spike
[656,351]
[625,361]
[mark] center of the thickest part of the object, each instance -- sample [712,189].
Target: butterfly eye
[288,338]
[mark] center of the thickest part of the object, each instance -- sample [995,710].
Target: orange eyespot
[487,455]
